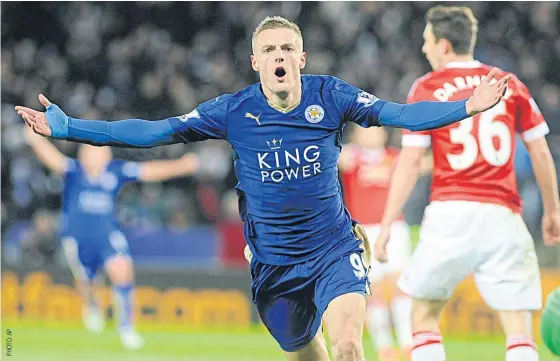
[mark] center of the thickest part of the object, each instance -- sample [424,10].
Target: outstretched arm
[46,152]
[367,110]
[133,133]
[160,170]
[545,173]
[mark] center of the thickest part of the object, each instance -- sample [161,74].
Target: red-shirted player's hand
[380,250]
[551,229]
[486,95]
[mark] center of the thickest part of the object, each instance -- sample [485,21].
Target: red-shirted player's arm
[406,173]
[545,173]
[530,122]
[533,128]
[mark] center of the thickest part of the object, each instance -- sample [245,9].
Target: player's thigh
[508,277]
[83,262]
[117,261]
[344,319]
[292,319]
[283,296]
[340,297]
[446,252]
[316,350]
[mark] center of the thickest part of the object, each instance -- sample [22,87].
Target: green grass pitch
[38,342]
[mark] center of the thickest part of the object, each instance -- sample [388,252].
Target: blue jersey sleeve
[207,121]
[356,105]
[367,110]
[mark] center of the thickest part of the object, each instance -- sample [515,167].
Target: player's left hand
[486,95]
[551,229]
[381,244]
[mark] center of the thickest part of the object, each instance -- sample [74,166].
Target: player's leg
[83,264]
[401,304]
[378,312]
[426,334]
[119,267]
[344,319]
[283,296]
[378,320]
[340,296]
[444,256]
[550,322]
[509,281]
[316,350]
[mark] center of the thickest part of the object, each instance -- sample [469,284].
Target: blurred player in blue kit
[90,235]
[286,135]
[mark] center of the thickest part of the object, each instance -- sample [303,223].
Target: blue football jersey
[286,163]
[89,203]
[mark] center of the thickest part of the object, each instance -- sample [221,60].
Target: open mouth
[280,72]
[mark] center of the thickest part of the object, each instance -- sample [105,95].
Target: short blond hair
[275,22]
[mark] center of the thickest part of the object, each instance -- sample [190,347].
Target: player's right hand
[380,250]
[52,123]
[551,229]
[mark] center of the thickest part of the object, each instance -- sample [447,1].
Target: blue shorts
[87,253]
[292,299]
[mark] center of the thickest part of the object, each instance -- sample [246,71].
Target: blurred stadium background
[113,60]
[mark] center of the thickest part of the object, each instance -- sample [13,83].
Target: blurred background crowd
[111,60]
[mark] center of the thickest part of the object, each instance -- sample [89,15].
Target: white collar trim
[464,64]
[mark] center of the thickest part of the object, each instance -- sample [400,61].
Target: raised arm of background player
[366,111]
[150,171]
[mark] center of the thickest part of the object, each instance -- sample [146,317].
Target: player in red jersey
[366,166]
[473,223]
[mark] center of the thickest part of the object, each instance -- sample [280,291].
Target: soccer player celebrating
[286,136]
[473,223]
[366,166]
[90,235]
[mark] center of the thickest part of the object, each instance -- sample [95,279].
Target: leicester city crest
[314,113]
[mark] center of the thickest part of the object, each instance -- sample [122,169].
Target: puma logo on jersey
[256,118]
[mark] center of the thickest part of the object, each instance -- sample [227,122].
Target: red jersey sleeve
[423,138]
[530,122]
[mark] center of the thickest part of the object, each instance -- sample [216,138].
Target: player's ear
[447,46]
[254,63]
[303,59]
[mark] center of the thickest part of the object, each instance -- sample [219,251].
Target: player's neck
[454,58]
[284,101]
[94,171]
